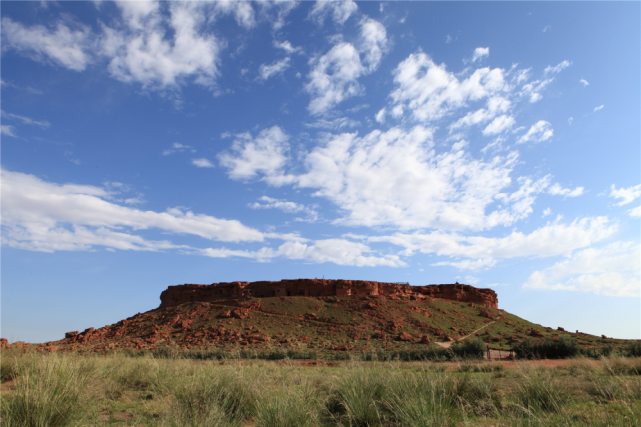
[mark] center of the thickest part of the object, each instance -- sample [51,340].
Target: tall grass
[201,402]
[69,390]
[288,407]
[538,391]
[48,391]
[357,397]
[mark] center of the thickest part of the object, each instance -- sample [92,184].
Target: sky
[151,144]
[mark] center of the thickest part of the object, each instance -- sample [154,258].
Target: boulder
[71,334]
[404,336]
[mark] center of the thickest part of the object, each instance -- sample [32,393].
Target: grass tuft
[47,393]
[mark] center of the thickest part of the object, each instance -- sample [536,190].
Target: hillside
[320,324]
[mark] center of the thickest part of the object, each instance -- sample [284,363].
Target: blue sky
[150,144]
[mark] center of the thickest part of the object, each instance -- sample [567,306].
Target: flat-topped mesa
[462,293]
[176,295]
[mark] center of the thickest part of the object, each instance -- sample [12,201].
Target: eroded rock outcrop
[176,295]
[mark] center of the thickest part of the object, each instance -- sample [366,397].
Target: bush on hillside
[470,349]
[548,349]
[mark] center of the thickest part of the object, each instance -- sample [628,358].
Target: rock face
[176,295]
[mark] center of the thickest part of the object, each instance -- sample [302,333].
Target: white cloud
[287,47]
[550,240]
[468,264]
[627,195]
[334,76]
[547,212]
[340,10]
[380,116]
[267,154]
[8,130]
[480,53]
[26,120]
[43,216]
[471,280]
[266,71]
[337,251]
[202,163]
[285,206]
[557,190]
[374,180]
[177,147]
[335,124]
[157,50]
[495,106]
[546,28]
[635,213]
[540,131]
[373,43]
[242,11]
[613,271]
[600,107]
[570,120]
[499,125]
[532,90]
[282,8]
[521,76]
[584,81]
[64,46]
[557,68]
[430,92]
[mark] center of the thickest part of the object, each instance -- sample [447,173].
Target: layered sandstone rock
[176,295]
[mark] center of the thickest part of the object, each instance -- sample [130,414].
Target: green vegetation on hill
[323,327]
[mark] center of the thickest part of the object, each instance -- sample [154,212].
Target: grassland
[90,390]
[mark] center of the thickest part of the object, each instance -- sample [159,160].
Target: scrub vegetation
[67,390]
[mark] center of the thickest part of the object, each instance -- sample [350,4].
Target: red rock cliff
[176,295]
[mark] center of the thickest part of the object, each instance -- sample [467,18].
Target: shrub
[548,349]
[470,349]
[633,349]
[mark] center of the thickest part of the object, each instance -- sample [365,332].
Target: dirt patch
[7,387]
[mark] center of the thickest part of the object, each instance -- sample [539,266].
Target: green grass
[47,392]
[67,390]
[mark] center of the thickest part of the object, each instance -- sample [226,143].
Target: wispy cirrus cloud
[177,147]
[202,163]
[26,120]
[613,270]
[539,132]
[336,251]
[266,202]
[266,71]
[475,252]
[480,53]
